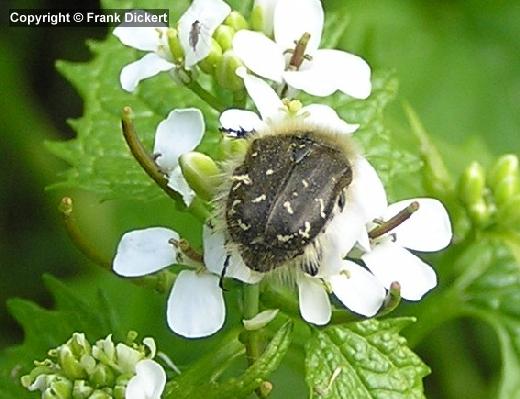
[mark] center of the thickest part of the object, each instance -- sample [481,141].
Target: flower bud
[506,189]
[232,147]
[60,388]
[209,63]
[509,214]
[127,358]
[70,365]
[131,336]
[118,392]
[201,173]
[236,21]
[265,388]
[505,166]
[102,376]
[88,363]
[79,344]
[81,390]
[225,72]
[262,16]
[99,394]
[104,350]
[175,45]
[224,36]
[479,212]
[472,184]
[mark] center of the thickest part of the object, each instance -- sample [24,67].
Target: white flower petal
[214,251]
[207,15]
[364,241]
[148,383]
[238,269]
[428,229]
[314,300]
[127,358]
[345,229]
[196,307]
[260,320]
[179,133]
[142,38]
[323,115]
[367,190]
[260,54]
[358,289]
[390,262]
[215,256]
[238,119]
[177,182]
[149,342]
[332,70]
[146,67]
[40,383]
[142,252]
[293,18]
[265,98]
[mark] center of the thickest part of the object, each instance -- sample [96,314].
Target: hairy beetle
[282,194]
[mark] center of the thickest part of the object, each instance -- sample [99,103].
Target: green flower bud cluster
[221,61]
[79,370]
[493,196]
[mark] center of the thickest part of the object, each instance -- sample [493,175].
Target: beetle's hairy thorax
[283,195]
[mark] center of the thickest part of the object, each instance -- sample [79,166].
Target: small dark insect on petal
[194,34]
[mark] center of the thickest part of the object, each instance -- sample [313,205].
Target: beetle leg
[223,274]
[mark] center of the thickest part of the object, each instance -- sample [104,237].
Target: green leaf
[193,383]
[367,359]
[495,297]
[45,329]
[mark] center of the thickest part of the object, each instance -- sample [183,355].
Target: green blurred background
[458,63]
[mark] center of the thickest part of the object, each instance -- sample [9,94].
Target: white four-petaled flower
[322,72]
[198,22]
[427,230]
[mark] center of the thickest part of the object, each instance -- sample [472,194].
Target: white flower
[195,306]
[179,133]
[322,72]
[196,27]
[428,229]
[148,383]
[205,14]
[273,110]
[151,39]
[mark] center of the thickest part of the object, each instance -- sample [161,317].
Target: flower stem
[252,339]
[206,96]
[251,295]
[143,157]
[75,235]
